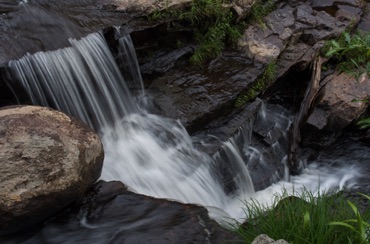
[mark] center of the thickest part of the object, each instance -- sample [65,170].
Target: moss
[260,85]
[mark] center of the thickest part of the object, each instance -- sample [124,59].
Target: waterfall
[126,51]
[152,155]
[82,80]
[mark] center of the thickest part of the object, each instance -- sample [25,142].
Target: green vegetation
[214,24]
[364,123]
[352,53]
[260,9]
[307,220]
[267,77]
[357,225]
[214,27]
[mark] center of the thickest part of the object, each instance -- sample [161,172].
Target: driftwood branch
[312,91]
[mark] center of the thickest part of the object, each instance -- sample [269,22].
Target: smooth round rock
[47,161]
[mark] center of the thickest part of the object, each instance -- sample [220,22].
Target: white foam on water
[154,155]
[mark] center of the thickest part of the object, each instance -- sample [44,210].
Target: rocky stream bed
[203,99]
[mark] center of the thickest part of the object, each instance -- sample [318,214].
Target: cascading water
[151,154]
[82,80]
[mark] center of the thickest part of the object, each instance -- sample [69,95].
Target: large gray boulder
[47,161]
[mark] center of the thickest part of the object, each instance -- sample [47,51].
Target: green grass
[267,77]
[321,219]
[351,53]
[214,27]
[261,9]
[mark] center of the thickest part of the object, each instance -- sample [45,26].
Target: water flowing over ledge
[155,155]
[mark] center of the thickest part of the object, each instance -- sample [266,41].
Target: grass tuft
[351,53]
[307,219]
[261,9]
[266,79]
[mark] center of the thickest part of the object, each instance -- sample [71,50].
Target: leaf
[368,197]
[364,123]
[343,224]
[306,219]
[347,37]
[331,52]
[355,63]
[335,44]
[361,227]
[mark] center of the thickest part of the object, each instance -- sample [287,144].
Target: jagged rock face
[48,160]
[337,108]
[295,31]
[141,6]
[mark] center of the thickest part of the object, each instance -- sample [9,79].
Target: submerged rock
[48,160]
[112,214]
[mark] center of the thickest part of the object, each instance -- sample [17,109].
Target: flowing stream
[156,156]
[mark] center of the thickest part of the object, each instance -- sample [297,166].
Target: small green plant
[261,9]
[357,224]
[214,28]
[213,24]
[364,123]
[352,53]
[303,220]
[267,77]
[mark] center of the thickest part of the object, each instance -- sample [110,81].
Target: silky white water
[154,155]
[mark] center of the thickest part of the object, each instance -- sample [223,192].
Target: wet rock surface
[196,97]
[111,214]
[53,23]
[296,28]
[292,36]
[342,102]
[48,160]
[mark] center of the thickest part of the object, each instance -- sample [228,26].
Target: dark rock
[264,44]
[364,24]
[337,108]
[366,137]
[210,139]
[331,6]
[348,14]
[196,97]
[141,7]
[112,214]
[53,23]
[48,160]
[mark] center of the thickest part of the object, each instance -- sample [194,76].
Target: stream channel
[156,156]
